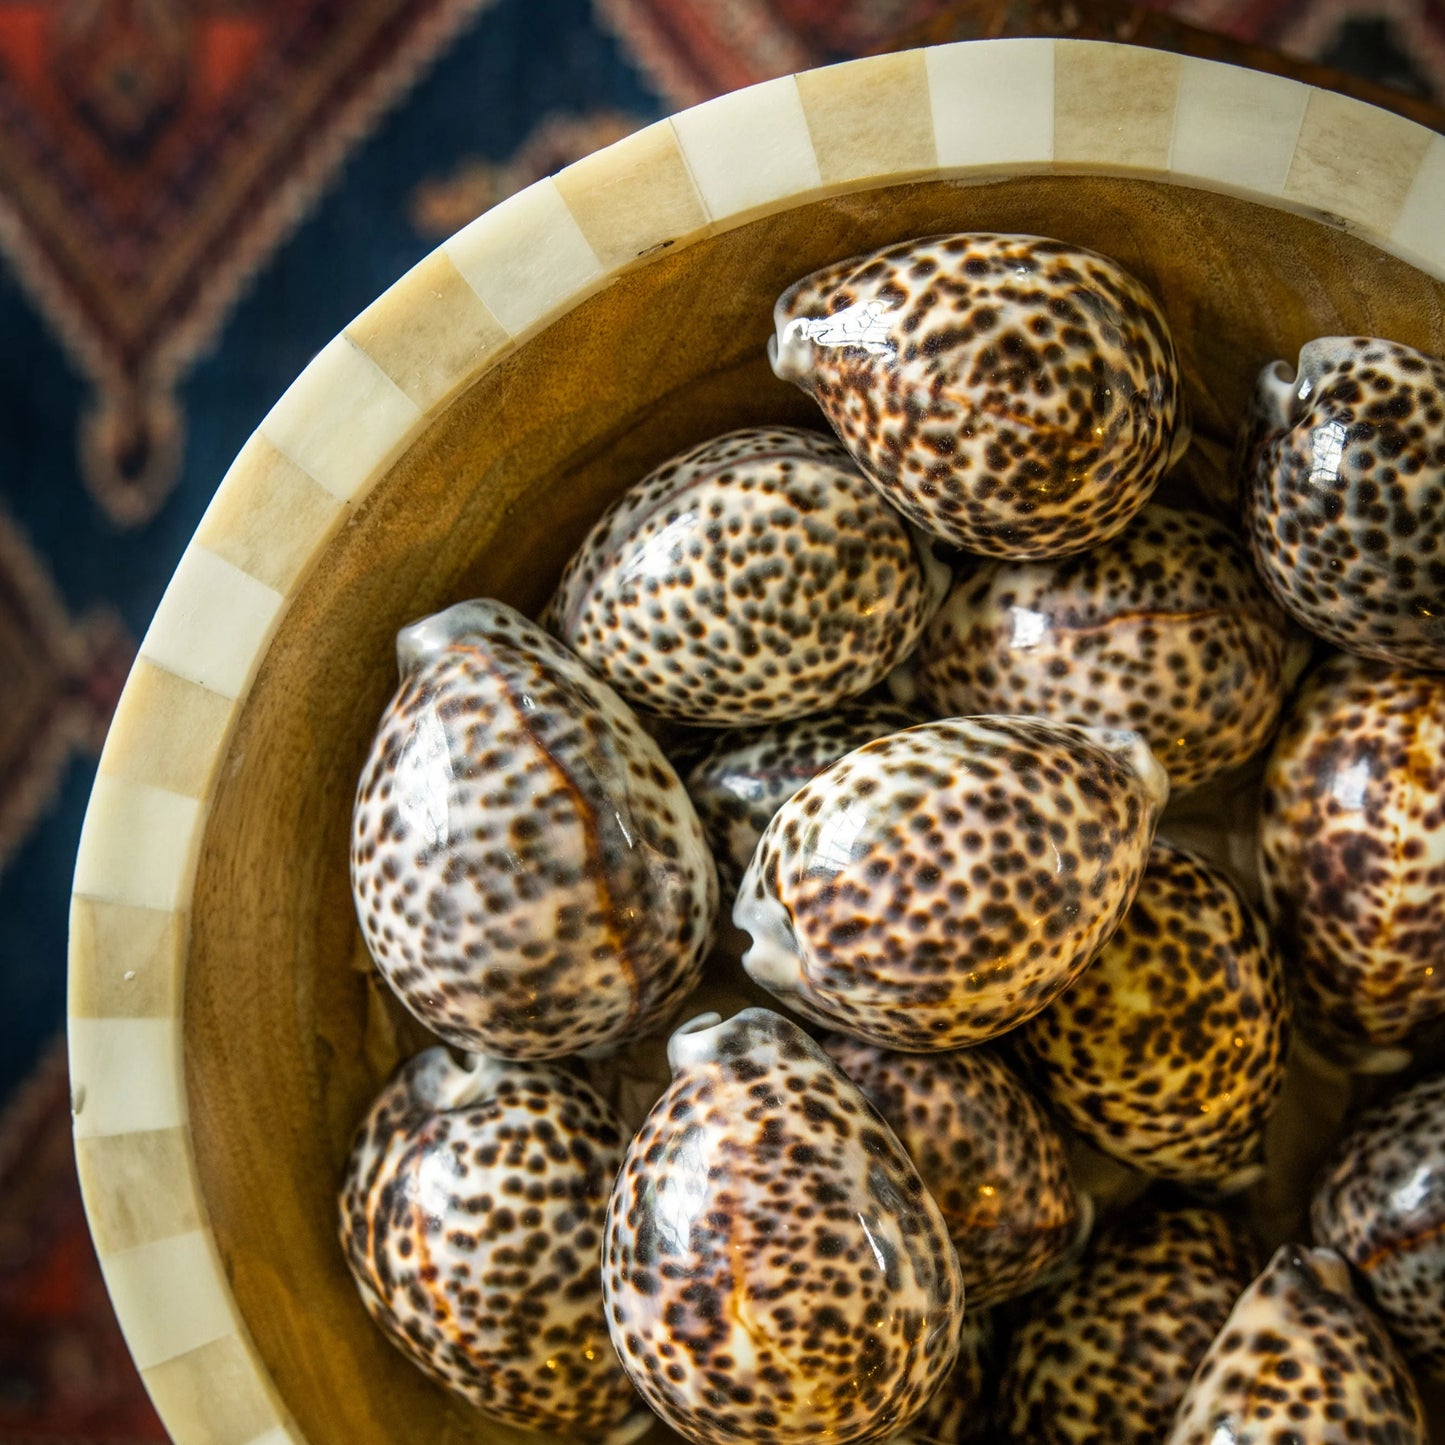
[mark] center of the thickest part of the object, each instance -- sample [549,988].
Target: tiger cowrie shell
[941,885]
[1381,1204]
[1344,493]
[1164,629]
[773,1266]
[1300,1356]
[756,577]
[1015,395]
[529,874]
[461,1176]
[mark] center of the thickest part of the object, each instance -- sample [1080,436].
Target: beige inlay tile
[167,732]
[634,196]
[342,419]
[870,118]
[125,1076]
[268,517]
[430,333]
[1113,105]
[138,1187]
[213,623]
[1236,127]
[170,1297]
[213,1396]
[993,104]
[749,149]
[137,845]
[1355,161]
[278,1436]
[526,258]
[125,962]
[1419,231]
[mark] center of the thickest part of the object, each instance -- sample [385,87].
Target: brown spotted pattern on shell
[962,1410]
[774,1268]
[749,773]
[471,1217]
[1164,629]
[1344,493]
[991,1158]
[1014,395]
[1301,1360]
[1352,856]
[758,576]
[1106,1354]
[1169,1052]
[937,887]
[1381,1204]
[529,874]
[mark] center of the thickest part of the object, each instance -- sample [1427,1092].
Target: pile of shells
[1075,883]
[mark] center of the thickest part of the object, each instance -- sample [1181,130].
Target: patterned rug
[182,183]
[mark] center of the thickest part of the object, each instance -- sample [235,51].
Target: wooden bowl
[455,441]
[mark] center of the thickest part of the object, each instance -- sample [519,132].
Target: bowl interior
[287,1035]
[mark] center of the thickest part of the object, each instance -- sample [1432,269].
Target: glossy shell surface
[1169,1052]
[749,773]
[1164,629]
[939,886]
[774,1268]
[962,1410]
[991,1158]
[1352,856]
[1301,1359]
[529,874]
[471,1217]
[1014,395]
[1381,1204]
[1344,495]
[756,577]
[1107,1353]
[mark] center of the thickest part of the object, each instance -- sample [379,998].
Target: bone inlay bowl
[457,440]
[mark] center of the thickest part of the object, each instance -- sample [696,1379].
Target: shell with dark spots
[1164,629]
[988,1153]
[1016,396]
[529,874]
[1344,491]
[961,1413]
[1352,858]
[941,885]
[1169,1052]
[749,773]
[774,1268]
[1301,1360]
[471,1218]
[1381,1204]
[754,578]
[1106,1354]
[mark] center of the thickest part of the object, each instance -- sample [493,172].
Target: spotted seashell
[1106,1354]
[749,773]
[988,1153]
[1300,1359]
[529,874]
[1015,396]
[1381,1204]
[1352,857]
[756,577]
[1344,494]
[937,887]
[773,1266]
[1163,629]
[471,1218]
[962,1410]
[1169,1052]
